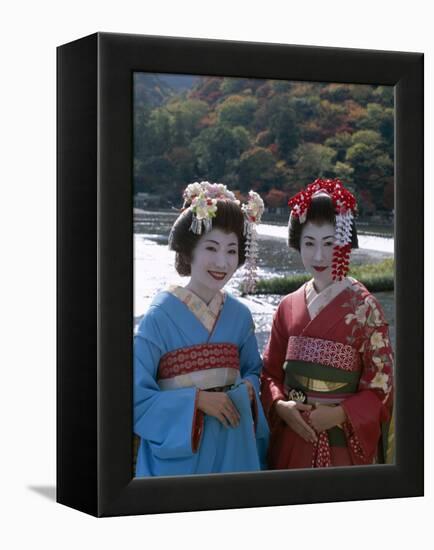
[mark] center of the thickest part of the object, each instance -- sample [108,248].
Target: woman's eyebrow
[218,244]
[313,238]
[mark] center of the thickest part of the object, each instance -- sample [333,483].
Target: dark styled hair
[321,210]
[229,218]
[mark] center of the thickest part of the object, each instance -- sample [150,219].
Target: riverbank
[378,277]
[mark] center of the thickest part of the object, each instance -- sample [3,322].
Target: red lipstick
[217,275]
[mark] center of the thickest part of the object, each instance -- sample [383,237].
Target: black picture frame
[95,273]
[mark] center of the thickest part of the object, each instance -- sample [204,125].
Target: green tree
[362,93]
[312,160]
[384,95]
[344,172]
[370,138]
[141,117]
[331,118]
[237,110]
[157,134]
[305,108]
[340,143]
[242,138]
[213,148]
[157,174]
[256,169]
[380,119]
[185,118]
[336,93]
[372,166]
[278,118]
[183,162]
[281,86]
[284,126]
[233,85]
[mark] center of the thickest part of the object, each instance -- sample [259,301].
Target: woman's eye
[211,248]
[308,243]
[329,243]
[233,251]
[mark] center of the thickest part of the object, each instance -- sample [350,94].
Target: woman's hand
[219,405]
[250,390]
[323,417]
[289,412]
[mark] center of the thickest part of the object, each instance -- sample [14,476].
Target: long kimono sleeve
[370,407]
[250,369]
[272,379]
[168,420]
[250,359]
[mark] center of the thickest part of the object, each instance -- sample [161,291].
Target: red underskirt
[288,450]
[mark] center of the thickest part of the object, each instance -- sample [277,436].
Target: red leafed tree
[367,205]
[275,198]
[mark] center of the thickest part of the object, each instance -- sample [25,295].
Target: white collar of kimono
[207,314]
[316,301]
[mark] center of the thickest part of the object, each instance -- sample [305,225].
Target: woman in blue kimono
[196,361]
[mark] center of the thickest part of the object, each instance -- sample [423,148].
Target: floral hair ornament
[345,206]
[202,199]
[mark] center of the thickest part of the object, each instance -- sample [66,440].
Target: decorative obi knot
[324,352]
[203,366]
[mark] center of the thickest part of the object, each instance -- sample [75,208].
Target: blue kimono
[175,437]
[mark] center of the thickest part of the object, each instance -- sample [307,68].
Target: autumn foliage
[273,136]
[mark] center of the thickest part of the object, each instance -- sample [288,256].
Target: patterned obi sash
[326,372]
[203,366]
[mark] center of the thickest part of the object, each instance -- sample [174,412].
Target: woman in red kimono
[327,377]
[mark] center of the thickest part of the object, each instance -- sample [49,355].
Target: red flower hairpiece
[342,199]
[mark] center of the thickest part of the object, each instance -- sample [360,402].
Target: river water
[154,266]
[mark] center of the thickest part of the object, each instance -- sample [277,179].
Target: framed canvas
[95,173]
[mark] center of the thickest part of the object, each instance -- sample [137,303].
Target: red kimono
[341,356]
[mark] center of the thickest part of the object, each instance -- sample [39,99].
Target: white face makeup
[215,260]
[316,248]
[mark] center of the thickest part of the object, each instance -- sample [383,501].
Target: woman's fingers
[219,405]
[310,434]
[303,407]
[231,413]
[303,429]
[306,434]
[227,418]
[223,420]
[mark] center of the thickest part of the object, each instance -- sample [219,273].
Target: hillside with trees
[271,136]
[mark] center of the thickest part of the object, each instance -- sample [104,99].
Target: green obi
[323,385]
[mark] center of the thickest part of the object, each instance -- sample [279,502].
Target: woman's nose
[318,256]
[221,259]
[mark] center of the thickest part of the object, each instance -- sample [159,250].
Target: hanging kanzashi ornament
[345,205]
[253,211]
[202,199]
